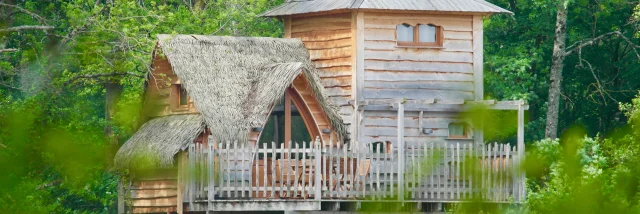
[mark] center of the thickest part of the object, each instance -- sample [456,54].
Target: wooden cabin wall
[161,92]
[418,73]
[154,191]
[329,40]
[382,126]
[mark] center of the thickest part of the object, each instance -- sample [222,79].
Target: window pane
[427,33]
[405,33]
[456,129]
[183,95]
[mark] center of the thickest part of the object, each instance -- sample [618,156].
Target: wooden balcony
[233,177]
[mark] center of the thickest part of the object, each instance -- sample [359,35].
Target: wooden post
[181,182]
[287,27]
[522,196]
[211,178]
[120,197]
[190,175]
[287,119]
[318,169]
[400,136]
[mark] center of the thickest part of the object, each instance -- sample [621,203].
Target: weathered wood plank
[417,94]
[451,67]
[340,43]
[415,114]
[334,53]
[323,36]
[395,16]
[158,184]
[448,46]
[172,201]
[416,76]
[335,18]
[419,55]
[342,91]
[410,122]
[337,81]
[321,27]
[329,63]
[434,85]
[390,35]
[150,193]
[167,209]
[393,131]
[377,23]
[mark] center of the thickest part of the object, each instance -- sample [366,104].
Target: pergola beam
[432,105]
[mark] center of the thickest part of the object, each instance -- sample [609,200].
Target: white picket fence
[432,172]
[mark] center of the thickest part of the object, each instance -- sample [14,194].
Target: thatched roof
[156,143]
[233,81]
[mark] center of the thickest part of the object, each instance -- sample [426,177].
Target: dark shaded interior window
[274,129]
[183,98]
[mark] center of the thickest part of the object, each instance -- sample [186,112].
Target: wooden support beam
[287,27]
[400,136]
[120,197]
[428,105]
[181,182]
[287,118]
[521,151]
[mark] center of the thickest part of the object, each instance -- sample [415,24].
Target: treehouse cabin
[359,105]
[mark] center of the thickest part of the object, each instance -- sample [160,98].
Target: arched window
[459,130]
[286,122]
[421,35]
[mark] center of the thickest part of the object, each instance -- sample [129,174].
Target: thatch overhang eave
[157,142]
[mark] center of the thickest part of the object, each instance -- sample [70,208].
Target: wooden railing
[431,172]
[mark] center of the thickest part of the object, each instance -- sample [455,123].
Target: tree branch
[93,76]
[35,16]
[26,27]
[8,50]
[583,43]
[77,30]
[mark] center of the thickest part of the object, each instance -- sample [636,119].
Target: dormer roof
[293,7]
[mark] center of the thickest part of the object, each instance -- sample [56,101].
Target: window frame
[466,131]
[178,95]
[416,37]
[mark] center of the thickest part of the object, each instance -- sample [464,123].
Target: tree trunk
[112,96]
[557,65]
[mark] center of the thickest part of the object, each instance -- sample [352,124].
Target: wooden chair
[286,175]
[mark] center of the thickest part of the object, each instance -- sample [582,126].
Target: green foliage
[586,175]
[54,155]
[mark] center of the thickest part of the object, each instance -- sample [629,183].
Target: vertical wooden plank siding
[392,71]
[330,44]
[478,57]
[287,27]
